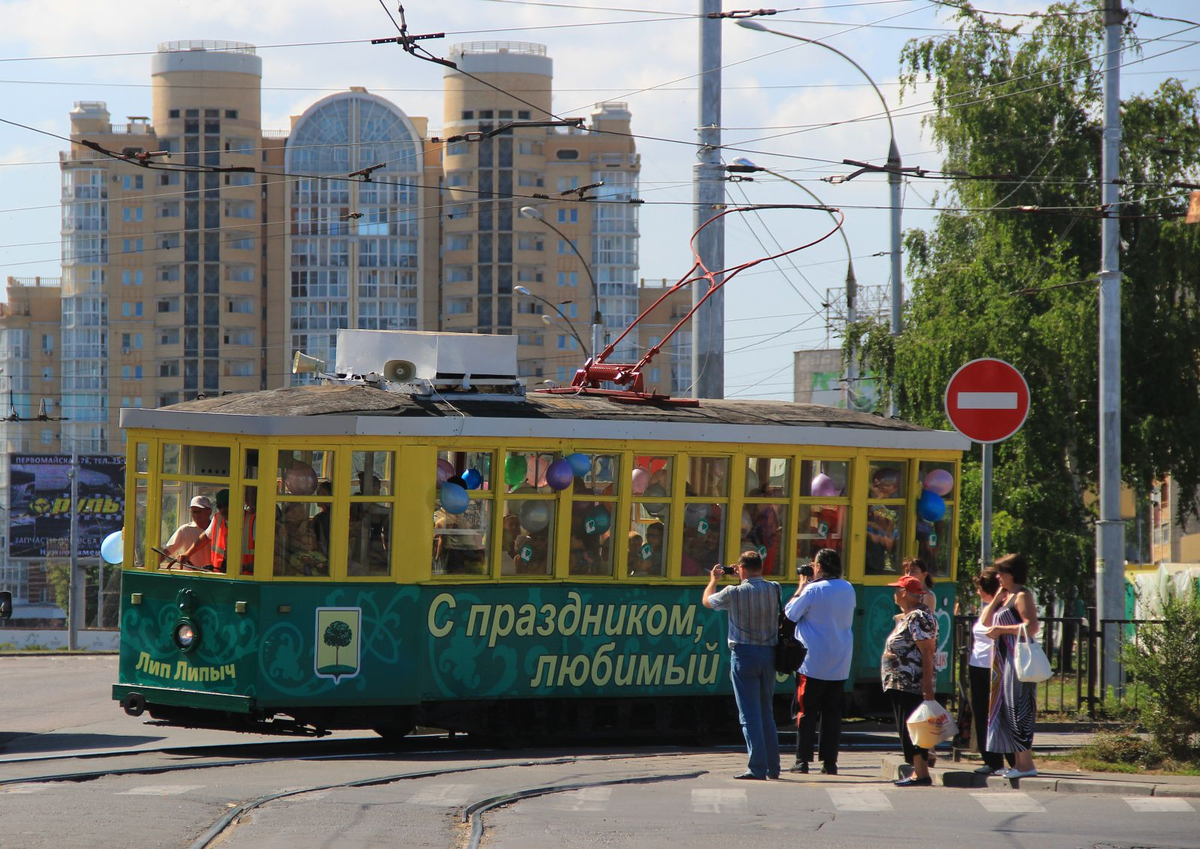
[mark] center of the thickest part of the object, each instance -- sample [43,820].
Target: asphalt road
[635,798]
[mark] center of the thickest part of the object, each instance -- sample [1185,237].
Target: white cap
[201,501]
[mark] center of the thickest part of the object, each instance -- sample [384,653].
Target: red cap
[909,584]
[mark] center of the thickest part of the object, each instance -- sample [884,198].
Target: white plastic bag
[1031,663]
[931,724]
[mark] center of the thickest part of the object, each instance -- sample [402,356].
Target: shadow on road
[18,743]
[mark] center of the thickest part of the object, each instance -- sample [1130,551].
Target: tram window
[370,534]
[460,540]
[530,523]
[201,460]
[299,550]
[935,513]
[141,455]
[820,526]
[371,473]
[652,476]
[474,467]
[250,467]
[708,477]
[647,539]
[534,466]
[763,531]
[824,478]
[885,521]
[140,502]
[767,477]
[602,478]
[591,538]
[298,472]
[180,524]
[703,538]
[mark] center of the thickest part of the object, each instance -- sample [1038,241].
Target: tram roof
[359,410]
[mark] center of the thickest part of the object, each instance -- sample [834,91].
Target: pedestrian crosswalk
[859,799]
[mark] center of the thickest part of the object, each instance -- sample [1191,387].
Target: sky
[788,106]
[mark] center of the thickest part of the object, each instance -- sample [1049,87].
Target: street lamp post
[597,319]
[851,279]
[521,290]
[893,169]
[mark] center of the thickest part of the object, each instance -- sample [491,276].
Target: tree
[1008,270]
[337,635]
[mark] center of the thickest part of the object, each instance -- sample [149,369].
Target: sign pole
[985,534]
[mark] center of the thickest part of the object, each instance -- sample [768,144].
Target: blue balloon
[930,506]
[581,464]
[454,498]
[559,475]
[113,548]
[472,478]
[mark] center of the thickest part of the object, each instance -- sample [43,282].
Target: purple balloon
[823,486]
[559,475]
[445,471]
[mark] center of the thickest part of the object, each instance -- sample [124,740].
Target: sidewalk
[1052,778]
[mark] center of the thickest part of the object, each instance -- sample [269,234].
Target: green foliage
[1165,659]
[1023,107]
[337,635]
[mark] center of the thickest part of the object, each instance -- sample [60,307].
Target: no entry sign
[987,400]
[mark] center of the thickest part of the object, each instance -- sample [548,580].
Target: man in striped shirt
[753,606]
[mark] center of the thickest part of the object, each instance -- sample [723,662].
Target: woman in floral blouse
[907,670]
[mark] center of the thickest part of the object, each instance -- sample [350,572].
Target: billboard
[39,514]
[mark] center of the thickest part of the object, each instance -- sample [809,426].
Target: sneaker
[1014,773]
[800,767]
[913,781]
[987,770]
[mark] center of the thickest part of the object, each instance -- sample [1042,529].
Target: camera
[805,569]
[729,570]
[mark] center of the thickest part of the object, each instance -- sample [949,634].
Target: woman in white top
[987,583]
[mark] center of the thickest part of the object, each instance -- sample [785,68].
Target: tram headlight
[186,635]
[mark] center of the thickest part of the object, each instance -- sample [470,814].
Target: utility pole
[1110,529]
[76,588]
[708,324]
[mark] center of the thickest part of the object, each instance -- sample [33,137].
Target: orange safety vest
[219,541]
[248,526]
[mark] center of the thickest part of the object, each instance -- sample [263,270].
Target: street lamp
[893,169]
[597,320]
[744,164]
[521,290]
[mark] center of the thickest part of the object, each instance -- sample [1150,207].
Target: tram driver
[200,509]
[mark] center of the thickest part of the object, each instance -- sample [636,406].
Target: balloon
[751,481]
[693,514]
[300,479]
[559,475]
[656,509]
[457,480]
[472,478]
[641,479]
[536,474]
[940,482]
[113,548]
[445,471]
[655,490]
[930,506]
[823,486]
[515,467]
[597,520]
[580,464]
[535,515]
[454,498]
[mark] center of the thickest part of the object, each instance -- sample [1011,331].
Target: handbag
[789,651]
[1031,663]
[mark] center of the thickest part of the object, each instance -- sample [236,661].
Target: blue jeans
[752,669]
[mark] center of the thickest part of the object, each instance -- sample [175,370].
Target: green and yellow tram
[447,551]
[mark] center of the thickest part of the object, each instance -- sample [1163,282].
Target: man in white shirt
[823,610]
[200,510]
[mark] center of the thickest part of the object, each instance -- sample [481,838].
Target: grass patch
[1123,752]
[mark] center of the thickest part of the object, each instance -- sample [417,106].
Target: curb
[894,767]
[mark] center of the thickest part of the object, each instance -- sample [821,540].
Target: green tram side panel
[872,626]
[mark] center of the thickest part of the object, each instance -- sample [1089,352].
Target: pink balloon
[939,481]
[641,479]
[445,471]
[536,475]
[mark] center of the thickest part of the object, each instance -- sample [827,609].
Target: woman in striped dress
[1011,709]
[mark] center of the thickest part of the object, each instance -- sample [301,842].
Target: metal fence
[1075,646]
